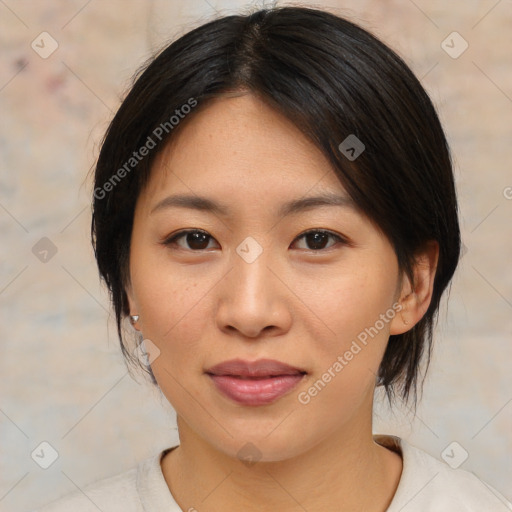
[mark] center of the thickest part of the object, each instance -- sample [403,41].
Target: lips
[260,368]
[255,382]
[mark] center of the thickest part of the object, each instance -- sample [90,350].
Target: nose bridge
[251,298]
[251,274]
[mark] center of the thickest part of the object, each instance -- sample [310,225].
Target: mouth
[259,382]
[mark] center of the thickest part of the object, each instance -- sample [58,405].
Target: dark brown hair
[332,79]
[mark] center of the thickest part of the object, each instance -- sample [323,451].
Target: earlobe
[404,321]
[415,296]
[134,316]
[401,322]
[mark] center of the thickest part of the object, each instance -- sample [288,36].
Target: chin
[250,447]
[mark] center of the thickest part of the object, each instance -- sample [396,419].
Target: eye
[318,237]
[196,239]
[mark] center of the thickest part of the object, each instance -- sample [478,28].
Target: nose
[253,299]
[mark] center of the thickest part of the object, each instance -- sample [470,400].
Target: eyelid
[171,239]
[324,231]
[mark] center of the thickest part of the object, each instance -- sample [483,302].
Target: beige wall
[63,379]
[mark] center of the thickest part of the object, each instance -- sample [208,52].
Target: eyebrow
[291,207]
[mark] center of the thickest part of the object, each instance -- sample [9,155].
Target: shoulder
[113,494]
[430,485]
[136,490]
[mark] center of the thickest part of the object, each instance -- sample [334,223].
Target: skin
[298,303]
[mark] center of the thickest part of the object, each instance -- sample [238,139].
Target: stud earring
[134,319]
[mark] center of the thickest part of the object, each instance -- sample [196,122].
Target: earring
[134,319]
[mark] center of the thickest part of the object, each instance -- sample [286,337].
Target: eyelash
[171,241]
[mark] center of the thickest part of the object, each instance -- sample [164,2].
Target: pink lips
[255,382]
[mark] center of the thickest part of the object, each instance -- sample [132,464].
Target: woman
[275,214]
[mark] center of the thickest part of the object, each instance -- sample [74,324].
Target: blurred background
[64,67]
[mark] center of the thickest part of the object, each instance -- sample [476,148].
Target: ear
[415,296]
[132,307]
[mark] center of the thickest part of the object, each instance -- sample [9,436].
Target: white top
[426,485]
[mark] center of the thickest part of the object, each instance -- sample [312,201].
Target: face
[314,287]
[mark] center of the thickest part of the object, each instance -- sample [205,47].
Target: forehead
[238,146]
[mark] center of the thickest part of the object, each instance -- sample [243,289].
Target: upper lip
[259,368]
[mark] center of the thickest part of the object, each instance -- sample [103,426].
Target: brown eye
[317,239]
[195,240]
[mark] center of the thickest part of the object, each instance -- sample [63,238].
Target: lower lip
[255,391]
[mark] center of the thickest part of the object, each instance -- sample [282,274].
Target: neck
[347,471]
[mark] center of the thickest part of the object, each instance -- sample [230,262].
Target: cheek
[173,309]
[175,312]
[353,334]
[172,300]
[352,302]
